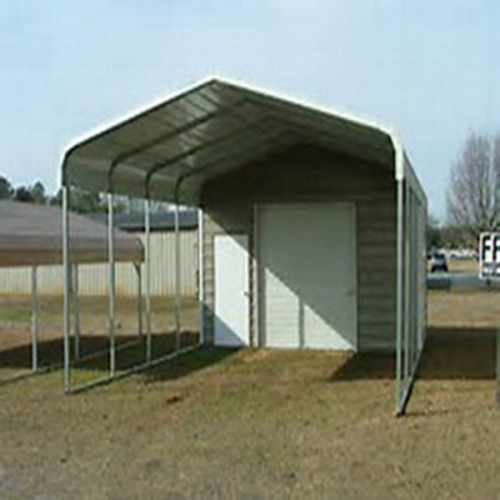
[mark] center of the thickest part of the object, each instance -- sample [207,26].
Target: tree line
[81,201]
[32,194]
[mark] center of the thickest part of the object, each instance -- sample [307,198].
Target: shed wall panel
[308,175]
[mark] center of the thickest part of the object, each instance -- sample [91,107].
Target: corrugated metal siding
[377,272]
[93,278]
[208,299]
[312,175]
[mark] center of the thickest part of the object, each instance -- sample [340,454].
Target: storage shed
[313,225]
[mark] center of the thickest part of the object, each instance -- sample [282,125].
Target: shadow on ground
[130,350]
[188,363]
[454,353]
[450,353]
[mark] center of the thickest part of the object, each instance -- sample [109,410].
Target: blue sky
[428,69]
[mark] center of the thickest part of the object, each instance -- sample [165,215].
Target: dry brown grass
[460,266]
[465,265]
[268,424]
[467,309]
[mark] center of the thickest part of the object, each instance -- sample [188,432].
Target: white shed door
[308,276]
[231,321]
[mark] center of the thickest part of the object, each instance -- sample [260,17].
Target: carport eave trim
[399,157]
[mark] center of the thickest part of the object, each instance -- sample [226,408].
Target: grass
[94,312]
[460,266]
[15,311]
[465,265]
[472,309]
[269,424]
[15,333]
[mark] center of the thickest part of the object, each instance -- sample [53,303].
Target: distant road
[458,281]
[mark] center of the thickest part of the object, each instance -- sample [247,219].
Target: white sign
[489,255]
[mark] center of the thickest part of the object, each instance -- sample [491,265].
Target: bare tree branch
[473,194]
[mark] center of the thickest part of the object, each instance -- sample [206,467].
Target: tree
[38,193]
[22,193]
[473,201]
[87,202]
[457,237]
[56,199]
[6,189]
[433,236]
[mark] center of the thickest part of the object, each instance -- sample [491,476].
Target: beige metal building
[316,232]
[93,277]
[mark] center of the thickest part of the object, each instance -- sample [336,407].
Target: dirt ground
[268,424]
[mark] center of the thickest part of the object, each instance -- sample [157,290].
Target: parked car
[438,263]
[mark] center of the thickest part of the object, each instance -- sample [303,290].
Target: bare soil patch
[269,424]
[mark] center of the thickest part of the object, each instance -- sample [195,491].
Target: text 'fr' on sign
[489,255]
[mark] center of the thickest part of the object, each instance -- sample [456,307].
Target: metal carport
[31,236]
[172,150]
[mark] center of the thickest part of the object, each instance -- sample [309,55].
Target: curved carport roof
[170,150]
[32,235]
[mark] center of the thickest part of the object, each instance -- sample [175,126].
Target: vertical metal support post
[177,282]
[416,281]
[497,347]
[422,271]
[76,311]
[407,292]
[34,318]
[414,284]
[111,265]
[67,276]
[399,291]
[201,279]
[139,298]
[147,227]
[257,340]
